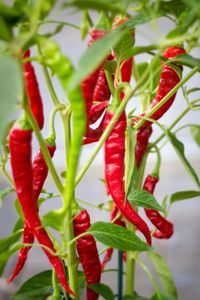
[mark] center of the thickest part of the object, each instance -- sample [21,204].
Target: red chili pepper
[168,80]
[165,228]
[20,153]
[118,221]
[33,91]
[114,153]
[40,172]
[97,110]
[143,135]
[87,251]
[102,90]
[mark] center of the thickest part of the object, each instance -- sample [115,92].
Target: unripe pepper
[87,251]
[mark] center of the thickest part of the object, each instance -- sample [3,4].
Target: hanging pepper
[114,152]
[118,221]
[142,139]
[165,228]
[40,172]
[168,80]
[20,154]
[33,91]
[87,251]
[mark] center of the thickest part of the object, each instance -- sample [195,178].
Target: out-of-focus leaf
[184,195]
[164,273]
[103,290]
[94,56]
[4,193]
[195,131]
[179,148]
[10,76]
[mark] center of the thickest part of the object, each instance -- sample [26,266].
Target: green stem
[59,22]
[44,149]
[56,291]
[52,133]
[6,175]
[110,82]
[72,258]
[130,268]
[170,127]
[169,95]
[120,275]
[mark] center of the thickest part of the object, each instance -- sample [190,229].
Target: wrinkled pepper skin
[33,91]
[165,227]
[114,152]
[88,253]
[168,80]
[21,164]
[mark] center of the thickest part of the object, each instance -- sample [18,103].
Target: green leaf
[183,195]
[195,131]
[54,220]
[163,297]
[117,237]
[5,31]
[164,273]
[179,148]
[187,60]
[134,297]
[143,198]
[94,56]
[116,6]
[142,17]
[139,70]
[5,245]
[103,290]
[40,286]
[125,46]
[37,287]
[10,76]
[4,193]
[8,11]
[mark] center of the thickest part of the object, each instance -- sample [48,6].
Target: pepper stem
[52,135]
[156,171]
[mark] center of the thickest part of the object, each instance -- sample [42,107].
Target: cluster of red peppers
[115,144]
[29,177]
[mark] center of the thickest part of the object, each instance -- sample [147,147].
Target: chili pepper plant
[93,110]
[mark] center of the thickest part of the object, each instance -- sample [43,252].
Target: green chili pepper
[62,67]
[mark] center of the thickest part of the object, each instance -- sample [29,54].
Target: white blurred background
[182,251]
